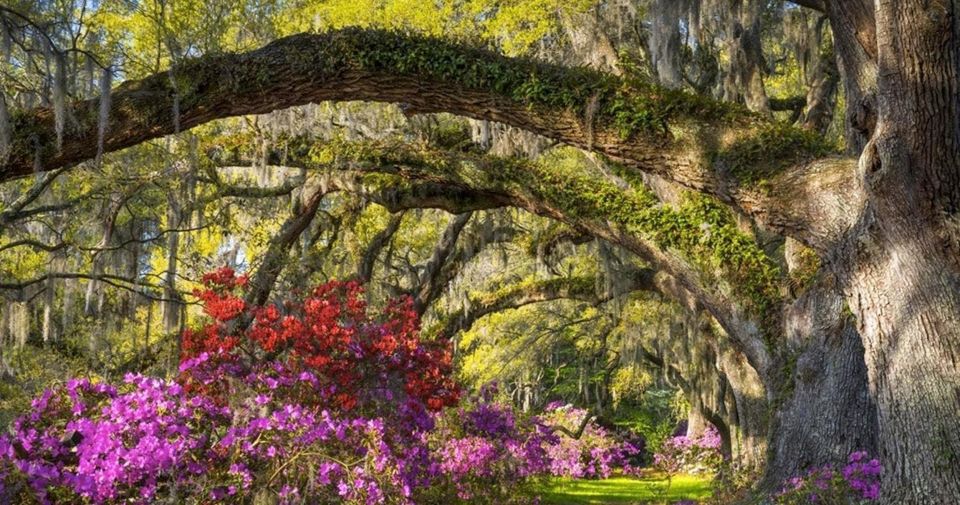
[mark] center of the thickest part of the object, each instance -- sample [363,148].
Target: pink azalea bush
[486,451]
[857,482]
[150,439]
[690,455]
[595,454]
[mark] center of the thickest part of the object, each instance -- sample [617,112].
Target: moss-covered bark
[709,146]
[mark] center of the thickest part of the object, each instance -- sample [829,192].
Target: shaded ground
[625,490]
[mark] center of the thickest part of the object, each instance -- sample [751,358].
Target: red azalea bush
[360,359]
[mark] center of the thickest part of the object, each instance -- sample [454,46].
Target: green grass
[647,490]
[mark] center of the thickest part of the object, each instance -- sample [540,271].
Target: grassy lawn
[625,490]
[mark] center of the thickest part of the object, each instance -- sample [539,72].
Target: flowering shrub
[857,482]
[152,438]
[97,442]
[485,450]
[683,454]
[595,454]
[357,359]
[316,401]
[322,403]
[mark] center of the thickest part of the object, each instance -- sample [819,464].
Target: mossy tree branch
[432,280]
[513,297]
[377,243]
[671,240]
[708,146]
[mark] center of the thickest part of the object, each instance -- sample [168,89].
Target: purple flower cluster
[693,455]
[596,453]
[485,448]
[863,475]
[858,481]
[261,430]
[102,443]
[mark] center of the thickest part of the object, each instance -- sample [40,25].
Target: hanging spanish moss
[589,114]
[19,323]
[5,133]
[176,101]
[59,97]
[47,61]
[665,41]
[6,43]
[37,157]
[103,119]
[89,81]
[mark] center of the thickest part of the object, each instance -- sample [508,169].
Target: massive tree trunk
[749,412]
[902,261]
[823,411]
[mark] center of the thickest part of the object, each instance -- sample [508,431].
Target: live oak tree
[881,219]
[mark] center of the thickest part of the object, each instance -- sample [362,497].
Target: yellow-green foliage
[701,228]
[37,368]
[629,382]
[768,150]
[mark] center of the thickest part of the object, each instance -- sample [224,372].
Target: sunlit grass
[653,489]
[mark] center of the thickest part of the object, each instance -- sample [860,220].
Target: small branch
[580,429]
[34,244]
[365,270]
[429,287]
[816,5]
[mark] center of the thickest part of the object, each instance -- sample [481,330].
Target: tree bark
[855,42]
[902,261]
[749,413]
[369,65]
[431,284]
[379,241]
[823,410]
[276,256]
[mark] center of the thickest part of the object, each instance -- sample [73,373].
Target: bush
[858,482]
[486,451]
[322,403]
[683,454]
[596,453]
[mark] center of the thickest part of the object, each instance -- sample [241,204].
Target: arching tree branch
[560,288]
[711,147]
[459,182]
